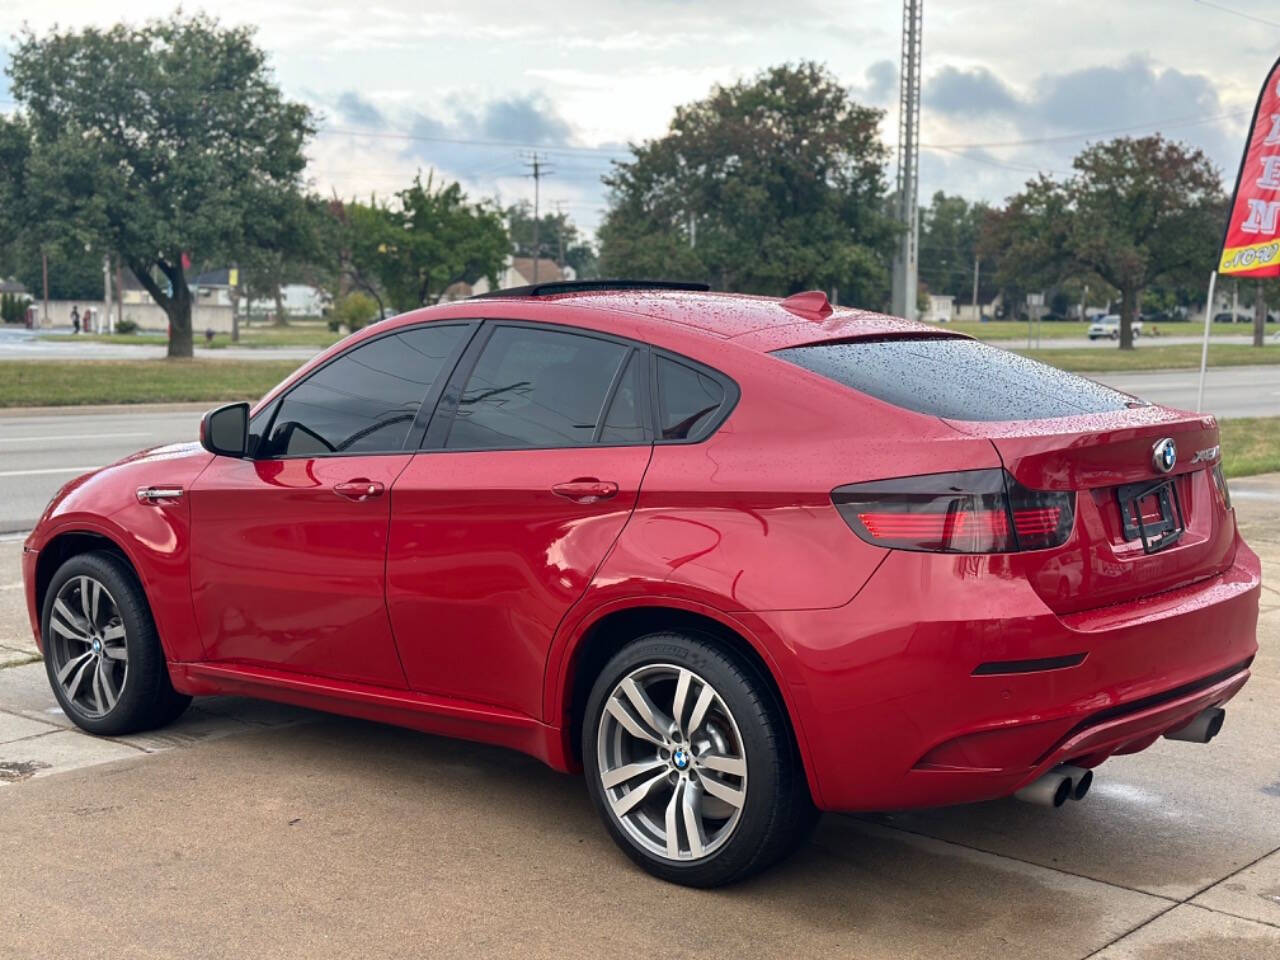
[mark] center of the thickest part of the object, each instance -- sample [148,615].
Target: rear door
[535,461]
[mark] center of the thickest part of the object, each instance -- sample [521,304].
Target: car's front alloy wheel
[87,649]
[101,649]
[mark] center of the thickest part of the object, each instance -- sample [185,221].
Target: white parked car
[1109,326]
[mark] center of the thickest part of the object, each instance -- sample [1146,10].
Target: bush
[13,308]
[356,310]
[126,326]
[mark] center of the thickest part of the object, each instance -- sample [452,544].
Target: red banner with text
[1251,247]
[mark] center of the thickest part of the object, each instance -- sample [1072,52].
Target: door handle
[586,490]
[359,489]
[158,495]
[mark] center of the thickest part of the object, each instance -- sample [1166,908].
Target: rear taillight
[1220,481]
[971,511]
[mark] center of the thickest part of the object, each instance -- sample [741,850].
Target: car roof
[753,322]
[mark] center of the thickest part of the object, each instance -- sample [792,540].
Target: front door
[289,547]
[499,530]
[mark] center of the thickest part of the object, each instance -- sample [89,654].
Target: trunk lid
[1106,458]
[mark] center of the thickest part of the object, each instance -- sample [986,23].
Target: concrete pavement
[251,828]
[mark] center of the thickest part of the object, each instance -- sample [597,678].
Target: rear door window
[536,389]
[957,379]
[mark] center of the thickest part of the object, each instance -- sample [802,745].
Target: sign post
[1251,243]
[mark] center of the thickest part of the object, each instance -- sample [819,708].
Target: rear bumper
[894,715]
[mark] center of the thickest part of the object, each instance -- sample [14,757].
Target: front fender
[154,537]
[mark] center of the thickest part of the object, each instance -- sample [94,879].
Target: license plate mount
[1152,512]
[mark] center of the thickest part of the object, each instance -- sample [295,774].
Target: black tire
[777,813]
[146,697]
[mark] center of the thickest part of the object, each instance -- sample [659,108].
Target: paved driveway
[254,829]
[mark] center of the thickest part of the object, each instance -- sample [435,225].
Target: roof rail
[589,286]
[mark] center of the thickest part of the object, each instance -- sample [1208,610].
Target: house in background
[940,309]
[298,300]
[517,272]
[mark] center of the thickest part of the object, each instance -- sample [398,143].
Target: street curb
[72,410]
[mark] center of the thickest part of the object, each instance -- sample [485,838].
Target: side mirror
[225,431]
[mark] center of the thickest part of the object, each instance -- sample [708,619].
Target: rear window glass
[957,379]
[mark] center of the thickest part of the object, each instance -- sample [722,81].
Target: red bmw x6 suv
[738,559]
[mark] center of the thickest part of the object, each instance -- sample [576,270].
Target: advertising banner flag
[1251,247]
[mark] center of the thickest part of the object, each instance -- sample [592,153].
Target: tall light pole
[905,261]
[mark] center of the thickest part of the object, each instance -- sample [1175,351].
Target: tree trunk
[1260,316]
[281,319]
[1128,298]
[179,311]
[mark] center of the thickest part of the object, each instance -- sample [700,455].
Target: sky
[469,89]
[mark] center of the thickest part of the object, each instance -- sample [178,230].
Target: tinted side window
[535,388]
[688,401]
[957,379]
[623,423]
[364,401]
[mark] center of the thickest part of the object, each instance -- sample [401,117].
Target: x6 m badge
[1164,455]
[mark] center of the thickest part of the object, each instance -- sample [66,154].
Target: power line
[465,141]
[1169,123]
[1236,13]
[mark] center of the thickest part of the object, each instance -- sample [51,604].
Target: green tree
[165,142]
[408,252]
[949,231]
[1136,212]
[772,185]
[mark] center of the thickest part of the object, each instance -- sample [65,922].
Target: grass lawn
[294,335]
[36,383]
[1149,357]
[1001,330]
[1250,445]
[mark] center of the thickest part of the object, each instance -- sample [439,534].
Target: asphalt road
[249,829]
[40,452]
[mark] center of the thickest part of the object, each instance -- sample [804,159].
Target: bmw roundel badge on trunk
[1165,455]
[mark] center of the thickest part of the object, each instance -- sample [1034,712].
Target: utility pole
[106,296]
[538,165]
[905,262]
[119,290]
[559,205]
[44,269]
[975,280]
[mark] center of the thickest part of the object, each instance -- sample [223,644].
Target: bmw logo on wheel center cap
[680,759]
[1164,455]
[97,646]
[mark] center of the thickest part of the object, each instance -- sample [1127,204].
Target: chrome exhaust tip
[1204,726]
[1081,780]
[1053,789]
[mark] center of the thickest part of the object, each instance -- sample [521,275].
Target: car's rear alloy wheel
[90,658]
[671,762]
[101,649]
[690,761]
